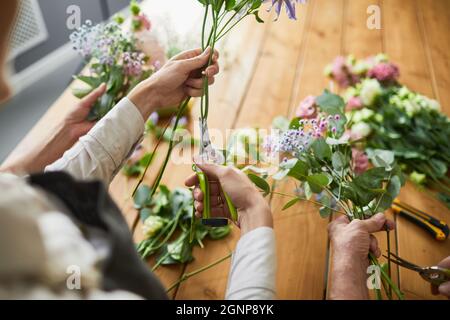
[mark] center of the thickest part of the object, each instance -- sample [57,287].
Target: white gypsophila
[370,90]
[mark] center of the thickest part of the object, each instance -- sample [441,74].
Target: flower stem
[180,113]
[186,276]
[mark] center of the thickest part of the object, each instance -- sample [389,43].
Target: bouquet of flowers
[319,156]
[113,58]
[388,115]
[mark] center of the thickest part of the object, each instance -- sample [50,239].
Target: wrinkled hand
[179,78]
[355,239]
[444,288]
[351,244]
[75,121]
[252,209]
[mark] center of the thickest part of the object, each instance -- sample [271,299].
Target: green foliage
[170,236]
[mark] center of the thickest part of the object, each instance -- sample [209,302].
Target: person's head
[7,16]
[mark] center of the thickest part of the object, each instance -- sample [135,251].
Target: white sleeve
[253,267]
[101,153]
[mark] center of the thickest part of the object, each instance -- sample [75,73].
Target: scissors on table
[209,154]
[434,275]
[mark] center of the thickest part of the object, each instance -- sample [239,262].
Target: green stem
[181,110]
[160,139]
[304,199]
[203,27]
[186,276]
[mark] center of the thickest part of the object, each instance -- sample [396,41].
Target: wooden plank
[434,18]
[301,233]
[268,96]
[405,45]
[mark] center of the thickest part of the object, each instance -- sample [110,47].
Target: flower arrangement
[388,115]
[113,58]
[319,156]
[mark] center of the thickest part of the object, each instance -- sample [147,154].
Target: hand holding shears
[209,154]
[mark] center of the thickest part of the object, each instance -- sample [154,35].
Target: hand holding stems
[253,210]
[444,288]
[73,126]
[178,79]
[351,244]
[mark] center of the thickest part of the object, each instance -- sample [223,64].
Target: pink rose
[144,21]
[307,108]
[360,161]
[342,73]
[354,103]
[385,72]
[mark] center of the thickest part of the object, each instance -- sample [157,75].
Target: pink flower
[360,161]
[354,103]
[384,72]
[342,73]
[307,108]
[144,21]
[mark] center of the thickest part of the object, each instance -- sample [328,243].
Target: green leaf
[325,211]
[338,161]
[290,204]
[229,4]
[318,181]
[321,149]
[80,93]
[330,103]
[94,82]
[260,183]
[381,158]
[141,198]
[219,233]
[299,171]
[281,123]
[144,213]
[308,191]
[394,187]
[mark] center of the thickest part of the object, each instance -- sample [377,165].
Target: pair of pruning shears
[434,275]
[438,228]
[209,154]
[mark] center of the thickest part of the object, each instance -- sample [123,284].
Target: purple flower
[385,72]
[133,63]
[154,118]
[181,123]
[289,4]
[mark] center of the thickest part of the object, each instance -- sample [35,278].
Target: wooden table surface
[269,69]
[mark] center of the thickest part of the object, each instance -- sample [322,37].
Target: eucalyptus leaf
[330,103]
[260,183]
[290,204]
[321,149]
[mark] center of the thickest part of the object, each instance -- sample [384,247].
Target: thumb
[375,224]
[211,170]
[197,62]
[89,100]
